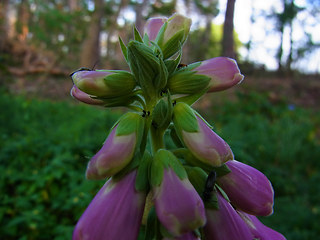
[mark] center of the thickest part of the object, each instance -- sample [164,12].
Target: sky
[263,35]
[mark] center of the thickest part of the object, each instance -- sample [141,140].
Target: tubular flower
[222,71]
[118,149]
[259,230]
[225,223]
[83,97]
[248,189]
[114,213]
[178,205]
[204,143]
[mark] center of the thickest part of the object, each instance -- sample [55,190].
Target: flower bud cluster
[194,191]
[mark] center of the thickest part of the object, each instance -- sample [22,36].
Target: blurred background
[271,121]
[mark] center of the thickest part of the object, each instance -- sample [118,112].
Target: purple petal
[83,97]
[178,205]
[153,26]
[225,223]
[115,154]
[259,230]
[223,71]
[114,213]
[207,146]
[248,189]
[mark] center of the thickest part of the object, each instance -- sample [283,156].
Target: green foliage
[45,147]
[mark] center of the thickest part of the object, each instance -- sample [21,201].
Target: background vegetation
[271,121]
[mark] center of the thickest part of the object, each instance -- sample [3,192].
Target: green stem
[157,141]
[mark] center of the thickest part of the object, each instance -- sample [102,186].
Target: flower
[104,83]
[223,72]
[114,213]
[248,189]
[258,230]
[153,26]
[118,149]
[83,97]
[177,204]
[204,143]
[225,223]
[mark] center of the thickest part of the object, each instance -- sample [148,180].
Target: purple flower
[153,26]
[83,97]
[102,83]
[223,72]
[248,189]
[258,230]
[114,213]
[118,149]
[206,145]
[225,223]
[178,205]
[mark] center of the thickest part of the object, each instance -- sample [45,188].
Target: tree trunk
[91,46]
[227,39]
[4,23]
[139,16]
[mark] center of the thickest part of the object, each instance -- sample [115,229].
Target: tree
[227,40]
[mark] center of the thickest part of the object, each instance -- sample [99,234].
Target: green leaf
[123,49]
[184,118]
[137,35]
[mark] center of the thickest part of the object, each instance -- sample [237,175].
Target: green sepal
[173,45]
[146,39]
[121,101]
[176,140]
[129,123]
[120,82]
[162,114]
[137,35]
[184,118]
[161,80]
[123,49]
[192,98]
[222,170]
[157,171]
[172,64]
[152,227]
[160,37]
[223,193]
[142,179]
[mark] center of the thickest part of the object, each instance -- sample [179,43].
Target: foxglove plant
[196,190]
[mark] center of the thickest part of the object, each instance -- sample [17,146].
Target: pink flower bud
[153,26]
[83,97]
[248,189]
[258,230]
[115,212]
[118,149]
[206,145]
[223,72]
[178,205]
[225,223]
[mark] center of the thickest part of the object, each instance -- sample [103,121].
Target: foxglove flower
[178,205]
[104,83]
[153,26]
[83,97]
[114,213]
[225,223]
[118,149]
[222,71]
[259,230]
[199,138]
[248,189]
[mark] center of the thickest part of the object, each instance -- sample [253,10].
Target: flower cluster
[196,190]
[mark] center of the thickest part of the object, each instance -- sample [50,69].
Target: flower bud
[114,213]
[178,205]
[222,71]
[258,230]
[153,26]
[225,223]
[173,34]
[104,83]
[83,97]
[118,149]
[248,189]
[199,138]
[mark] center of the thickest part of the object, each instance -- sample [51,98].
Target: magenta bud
[225,223]
[178,205]
[259,230]
[83,97]
[223,72]
[206,145]
[153,26]
[115,212]
[248,189]
[118,149]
